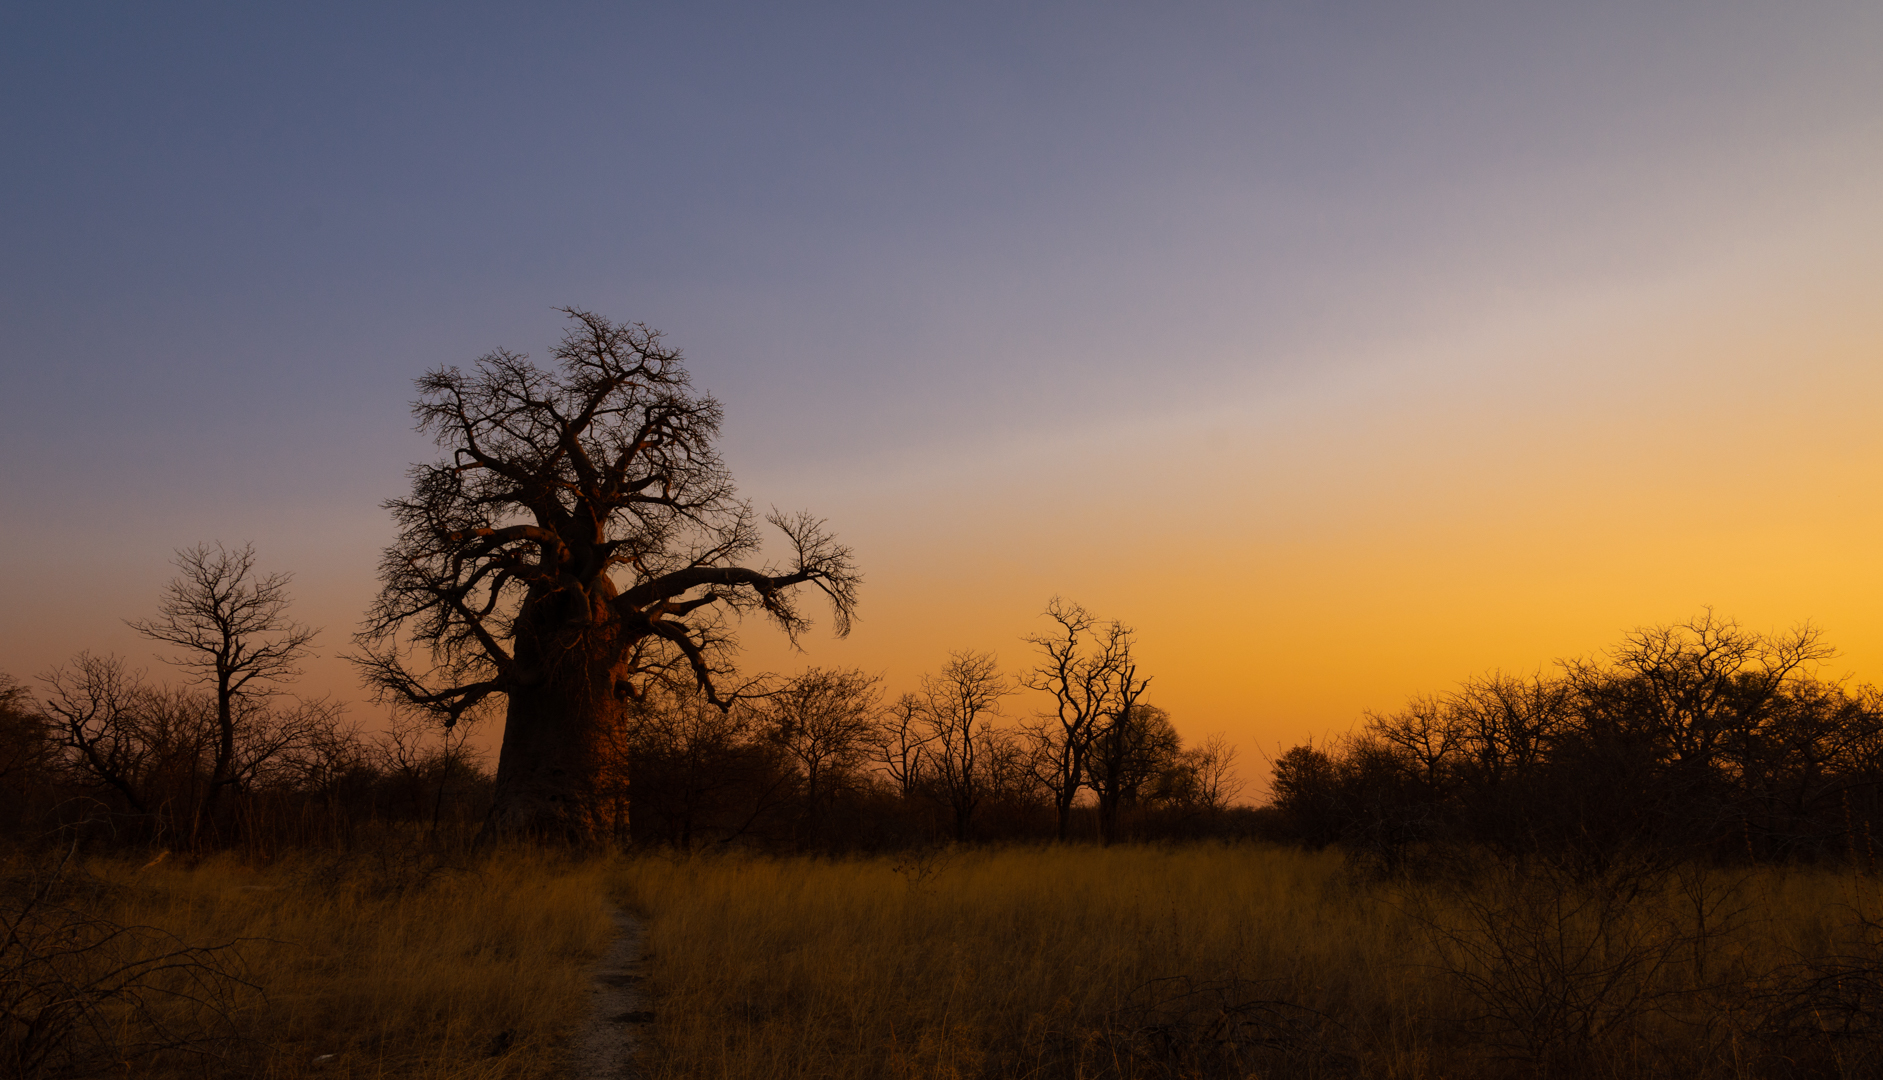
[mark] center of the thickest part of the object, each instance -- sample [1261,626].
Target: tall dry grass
[1068,962]
[1006,963]
[392,962]
[1243,961]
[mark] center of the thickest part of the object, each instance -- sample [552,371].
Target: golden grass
[988,962]
[1197,961]
[1027,962]
[390,964]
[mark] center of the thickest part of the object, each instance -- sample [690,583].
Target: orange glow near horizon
[1298,555]
[1343,355]
[1291,565]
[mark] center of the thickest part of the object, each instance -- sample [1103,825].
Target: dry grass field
[1246,961]
[1048,962]
[390,963]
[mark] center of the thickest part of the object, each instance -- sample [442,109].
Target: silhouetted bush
[1694,740]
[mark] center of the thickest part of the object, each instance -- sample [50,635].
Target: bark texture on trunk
[563,770]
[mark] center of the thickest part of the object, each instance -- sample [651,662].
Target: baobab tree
[581,541]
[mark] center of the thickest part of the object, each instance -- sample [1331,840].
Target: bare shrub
[1559,966]
[80,993]
[1828,1007]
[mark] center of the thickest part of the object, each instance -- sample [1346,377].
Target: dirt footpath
[604,1048]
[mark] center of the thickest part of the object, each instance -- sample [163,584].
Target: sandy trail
[604,1048]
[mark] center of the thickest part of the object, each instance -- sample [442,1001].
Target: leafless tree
[329,750]
[823,721]
[94,702]
[900,743]
[1428,734]
[1693,687]
[1213,767]
[581,541]
[703,772]
[957,704]
[1081,662]
[1009,768]
[1668,727]
[231,626]
[280,745]
[1136,745]
[1507,724]
[156,746]
[176,731]
[25,735]
[1697,737]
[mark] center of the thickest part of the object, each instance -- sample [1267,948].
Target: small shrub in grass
[80,993]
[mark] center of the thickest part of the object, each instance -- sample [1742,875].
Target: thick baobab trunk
[563,770]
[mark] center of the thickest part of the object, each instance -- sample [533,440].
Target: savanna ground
[393,961]
[1076,961]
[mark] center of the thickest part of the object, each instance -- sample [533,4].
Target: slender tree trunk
[1067,784]
[223,768]
[810,809]
[964,816]
[444,777]
[1107,820]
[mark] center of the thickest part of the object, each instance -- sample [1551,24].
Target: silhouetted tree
[958,703]
[1012,797]
[152,751]
[1197,781]
[1213,767]
[95,704]
[27,754]
[24,740]
[1700,737]
[1304,788]
[823,721]
[1136,746]
[231,627]
[1659,723]
[1081,664]
[703,773]
[900,744]
[581,541]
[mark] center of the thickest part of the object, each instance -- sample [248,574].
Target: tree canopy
[581,540]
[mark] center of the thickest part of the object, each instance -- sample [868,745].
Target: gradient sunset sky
[1344,350]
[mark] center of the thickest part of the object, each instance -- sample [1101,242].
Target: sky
[1342,350]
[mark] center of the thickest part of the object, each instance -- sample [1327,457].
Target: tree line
[1697,739]
[822,761]
[103,749]
[579,558]
[230,756]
